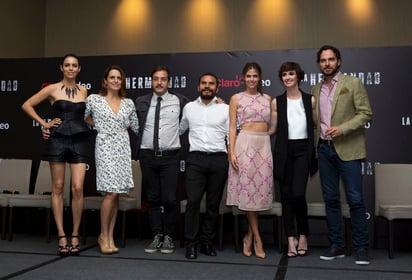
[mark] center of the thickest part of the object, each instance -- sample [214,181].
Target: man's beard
[207,96]
[331,74]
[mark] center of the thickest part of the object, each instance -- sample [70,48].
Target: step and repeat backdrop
[384,71]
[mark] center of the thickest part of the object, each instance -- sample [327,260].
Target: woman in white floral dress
[112,115]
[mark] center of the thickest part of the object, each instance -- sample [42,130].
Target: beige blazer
[350,111]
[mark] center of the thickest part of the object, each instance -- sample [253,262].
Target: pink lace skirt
[250,188]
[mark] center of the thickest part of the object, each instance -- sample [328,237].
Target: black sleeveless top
[72,116]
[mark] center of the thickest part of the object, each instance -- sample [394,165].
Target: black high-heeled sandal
[75,249]
[64,250]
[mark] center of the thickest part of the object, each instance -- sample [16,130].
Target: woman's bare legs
[57,177]
[247,242]
[108,213]
[78,172]
[252,217]
[113,223]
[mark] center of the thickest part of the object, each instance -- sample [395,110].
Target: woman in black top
[294,116]
[68,142]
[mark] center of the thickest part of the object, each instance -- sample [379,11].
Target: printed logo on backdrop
[231,83]
[144,82]
[88,86]
[406,121]
[368,167]
[36,124]
[237,81]
[9,85]
[367,78]
[4,126]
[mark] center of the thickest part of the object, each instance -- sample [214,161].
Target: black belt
[326,141]
[162,153]
[208,153]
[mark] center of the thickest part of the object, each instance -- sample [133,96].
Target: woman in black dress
[68,142]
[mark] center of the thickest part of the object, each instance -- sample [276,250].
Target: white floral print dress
[112,152]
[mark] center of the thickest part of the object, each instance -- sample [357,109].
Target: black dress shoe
[191,253]
[208,249]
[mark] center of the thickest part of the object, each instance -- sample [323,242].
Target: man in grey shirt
[158,147]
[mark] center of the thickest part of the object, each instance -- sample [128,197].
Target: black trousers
[160,177]
[293,189]
[205,173]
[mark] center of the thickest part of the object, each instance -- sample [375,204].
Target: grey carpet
[30,257]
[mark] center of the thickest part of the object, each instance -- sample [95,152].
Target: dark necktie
[156,126]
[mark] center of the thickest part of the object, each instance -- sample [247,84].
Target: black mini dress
[70,141]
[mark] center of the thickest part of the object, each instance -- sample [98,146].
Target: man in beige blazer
[343,108]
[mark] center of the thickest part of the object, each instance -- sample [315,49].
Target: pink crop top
[253,108]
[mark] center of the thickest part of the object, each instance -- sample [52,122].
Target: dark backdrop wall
[384,72]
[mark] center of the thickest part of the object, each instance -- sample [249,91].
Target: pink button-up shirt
[325,105]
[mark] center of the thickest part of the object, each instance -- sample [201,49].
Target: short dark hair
[209,74]
[290,66]
[160,68]
[328,47]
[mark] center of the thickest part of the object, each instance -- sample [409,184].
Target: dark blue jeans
[331,168]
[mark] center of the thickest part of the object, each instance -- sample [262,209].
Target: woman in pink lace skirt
[251,168]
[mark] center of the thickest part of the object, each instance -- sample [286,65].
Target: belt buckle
[158,153]
[328,142]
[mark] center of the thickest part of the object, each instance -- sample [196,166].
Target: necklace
[70,92]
